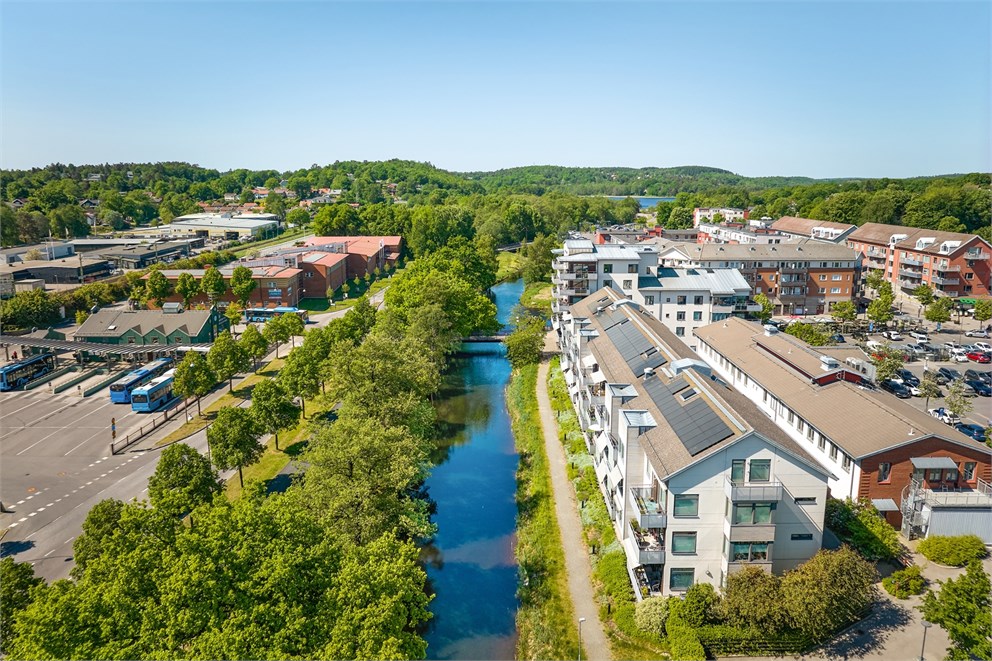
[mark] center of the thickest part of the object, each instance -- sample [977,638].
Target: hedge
[724,640]
[905,582]
[683,642]
[952,551]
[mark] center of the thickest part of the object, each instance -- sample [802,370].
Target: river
[470,562]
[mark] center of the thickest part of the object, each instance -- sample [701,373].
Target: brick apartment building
[953,264]
[274,285]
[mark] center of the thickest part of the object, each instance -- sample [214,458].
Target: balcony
[559,266]
[944,281]
[650,513]
[574,291]
[794,269]
[909,261]
[918,275]
[757,532]
[735,567]
[792,297]
[763,492]
[646,547]
[956,268]
[976,254]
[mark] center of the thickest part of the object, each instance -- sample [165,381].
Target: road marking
[32,513]
[91,465]
[7,415]
[89,483]
[97,461]
[69,540]
[49,553]
[65,496]
[104,475]
[49,504]
[30,497]
[22,519]
[13,525]
[59,500]
[40,509]
[19,502]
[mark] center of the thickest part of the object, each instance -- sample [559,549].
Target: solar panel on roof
[697,425]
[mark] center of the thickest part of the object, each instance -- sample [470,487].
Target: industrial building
[226,226]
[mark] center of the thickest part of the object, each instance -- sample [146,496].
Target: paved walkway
[597,647]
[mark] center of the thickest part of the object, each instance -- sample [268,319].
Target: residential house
[807,228]
[697,481]
[917,470]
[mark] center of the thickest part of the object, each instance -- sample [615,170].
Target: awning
[934,463]
[885,504]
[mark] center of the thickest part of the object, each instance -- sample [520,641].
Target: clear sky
[779,88]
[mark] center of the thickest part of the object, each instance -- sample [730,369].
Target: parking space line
[41,509]
[49,553]
[19,502]
[22,519]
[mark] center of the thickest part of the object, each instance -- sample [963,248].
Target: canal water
[470,563]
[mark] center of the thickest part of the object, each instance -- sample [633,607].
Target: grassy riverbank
[609,562]
[511,265]
[544,620]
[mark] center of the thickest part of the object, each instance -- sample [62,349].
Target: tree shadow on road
[870,634]
[15,547]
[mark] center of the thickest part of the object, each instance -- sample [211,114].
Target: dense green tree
[469,310]
[929,388]
[193,378]
[526,343]
[537,259]
[874,279]
[939,311]
[880,310]
[29,309]
[233,439]
[434,226]
[816,335]
[844,312]
[336,220]
[963,608]
[753,600]
[227,358]
[275,203]
[183,480]
[956,402]
[68,221]
[301,375]
[233,313]
[100,525]
[16,581]
[243,284]
[273,408]
[298,217]
[275,331]
[887,362]
[983,310]
[767,308]
[157,287]
[187,287]
[679,218]
[212,284]
[923,295]
[293,325]
[254,344]
[829,591]
[699,606]
[299,185]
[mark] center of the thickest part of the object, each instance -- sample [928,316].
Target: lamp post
[926,625]
[581,620]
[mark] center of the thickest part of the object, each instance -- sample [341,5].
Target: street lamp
[926,625]
[581,620]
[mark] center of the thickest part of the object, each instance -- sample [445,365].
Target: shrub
[753,600]
[650,615]
[721,640]
[700,605]
[953,551]
[905,582]
[859,524]
[683,643]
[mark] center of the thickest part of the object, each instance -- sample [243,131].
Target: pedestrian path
[594,640]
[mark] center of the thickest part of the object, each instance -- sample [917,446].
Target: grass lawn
[315,304]
[240,394]
[510,265]
[537,295]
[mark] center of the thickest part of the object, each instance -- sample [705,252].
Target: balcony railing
[911,274]
[650,513]
[647,547]
[764,492]
[976,254]
[735,567]
[946,269]
[792,297]
[944,281]
[574,291]
[909,261]
[794,269]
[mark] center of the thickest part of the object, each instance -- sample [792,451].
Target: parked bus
[120,392]
[264,314]
[22,372]
[153,395]
[182,351]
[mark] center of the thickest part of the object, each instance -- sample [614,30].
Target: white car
[981,332]
[958,355]
[944,416]
[892,335]
[983,346]
[919,337]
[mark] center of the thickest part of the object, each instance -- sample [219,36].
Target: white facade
[702,214]
[747,500]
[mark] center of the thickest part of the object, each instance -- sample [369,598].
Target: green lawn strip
[356,293]
[537,295]
[545,619]
[612,584]
[510,266]
[240,394]
[314,304]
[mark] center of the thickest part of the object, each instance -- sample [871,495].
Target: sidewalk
[577,566]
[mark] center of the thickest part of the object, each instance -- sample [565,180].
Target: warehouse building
[226,226]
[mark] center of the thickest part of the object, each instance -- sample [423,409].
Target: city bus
[24,371]
[120,392]
[264,314]
[183,350]
[153,395]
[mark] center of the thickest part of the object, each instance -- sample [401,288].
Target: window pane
[743,513]
[883,472]
[737,472]
[681,579]
[759,551]
[762,513]
[969,470]
[742,551]
[684,542]
[761,470]
[686,505]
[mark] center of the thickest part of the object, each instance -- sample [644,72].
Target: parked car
[949,373]
[978,357]
[919,351]
[983,346]
[891,335]
[975,375]
[967,390]
[958,355]
[977,432]
[896,388]
[906,377]
[951,344]
[919,336]
[981,332]
[944,416]
[980,388]
[838,338]
[915,391]
[937,376]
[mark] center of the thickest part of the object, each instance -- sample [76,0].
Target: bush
[650,615]
[953,551]
[721,640]
[859,524]
[752,600]
[683,643]
[700,605]
[905,582]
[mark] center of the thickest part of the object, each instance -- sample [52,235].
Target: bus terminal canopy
[96,348]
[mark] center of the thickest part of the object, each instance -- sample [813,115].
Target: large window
[752,513]
[749,551]
[631,268]
[884,473]
[761,470]
[681,579]
[737,472]
[683,543]
[680,316]
[680,300]
[697,316]
[969,471]
[698,300]
[686,506]
[607,268]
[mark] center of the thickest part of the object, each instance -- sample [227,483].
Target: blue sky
[780,88]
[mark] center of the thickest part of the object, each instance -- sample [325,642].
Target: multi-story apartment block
[704,214]
[807,228]
[804,277]
[953,264]
[683,299]
[697,481]
[924,475]
[756,231]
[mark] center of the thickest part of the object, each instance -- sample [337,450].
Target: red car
[979,357]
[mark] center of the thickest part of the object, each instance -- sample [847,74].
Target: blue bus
[120,392]
[264,314]
[153,395]
[24,371]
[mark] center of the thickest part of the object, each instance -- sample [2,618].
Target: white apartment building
[683,299]
[703,214]
[755,231]
[697,481]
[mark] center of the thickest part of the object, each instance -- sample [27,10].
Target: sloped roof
[804,226]
[803,249]
[115,322]
[880,234]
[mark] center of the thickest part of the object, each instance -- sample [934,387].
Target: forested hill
[539,179]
